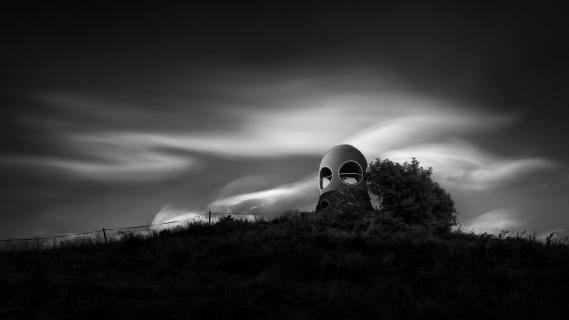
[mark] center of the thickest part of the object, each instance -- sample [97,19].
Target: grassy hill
[329,266]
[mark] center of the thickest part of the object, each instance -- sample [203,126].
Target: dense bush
[408,192]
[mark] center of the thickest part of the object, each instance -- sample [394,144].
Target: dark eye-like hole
[324,204]
[350,173]
[325,177]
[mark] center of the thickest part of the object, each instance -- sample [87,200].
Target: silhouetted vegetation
[332,265]
[408,192]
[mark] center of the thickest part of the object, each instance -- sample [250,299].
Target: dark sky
[117,115]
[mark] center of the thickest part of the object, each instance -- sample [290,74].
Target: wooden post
[209,218]
[105,235]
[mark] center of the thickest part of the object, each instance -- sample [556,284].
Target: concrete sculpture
[342,180]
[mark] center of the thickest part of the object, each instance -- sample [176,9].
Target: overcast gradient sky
[129,114]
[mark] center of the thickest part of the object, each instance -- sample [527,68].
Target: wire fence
[100,235]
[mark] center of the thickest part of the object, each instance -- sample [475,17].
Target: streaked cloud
[298,195]
[372,122]
[101,159]
[244,184]
[137,167]
[461,165]
[494,222]
[424,125]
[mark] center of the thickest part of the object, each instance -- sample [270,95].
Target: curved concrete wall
[334,159]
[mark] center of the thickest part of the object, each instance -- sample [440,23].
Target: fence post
[54,241]
[209,218]
[105,235]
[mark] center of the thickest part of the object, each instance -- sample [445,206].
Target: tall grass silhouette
[355,264]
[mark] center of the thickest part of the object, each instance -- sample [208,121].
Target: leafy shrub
[408,192]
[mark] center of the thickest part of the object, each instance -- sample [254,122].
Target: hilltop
[334,265]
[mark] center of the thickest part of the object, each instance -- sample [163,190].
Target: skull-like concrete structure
[342,179]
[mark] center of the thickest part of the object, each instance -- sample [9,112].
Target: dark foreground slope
[331,266]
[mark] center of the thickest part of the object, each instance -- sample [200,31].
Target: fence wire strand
[88,232]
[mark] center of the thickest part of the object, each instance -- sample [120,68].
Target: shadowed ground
[334,265]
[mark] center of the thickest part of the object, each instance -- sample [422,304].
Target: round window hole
[350,173]
[325,177]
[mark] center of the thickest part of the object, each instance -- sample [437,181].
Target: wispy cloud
[425,125]
[372,122]
[298,195]
[434,139]
[244,184]
[494,222]
[265,203]
[135,167]
[461,165]
[102,159]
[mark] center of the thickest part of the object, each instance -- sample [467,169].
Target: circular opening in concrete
[350,173]
[325,177]
[324,204]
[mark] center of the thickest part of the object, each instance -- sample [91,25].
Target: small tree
[407,191]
